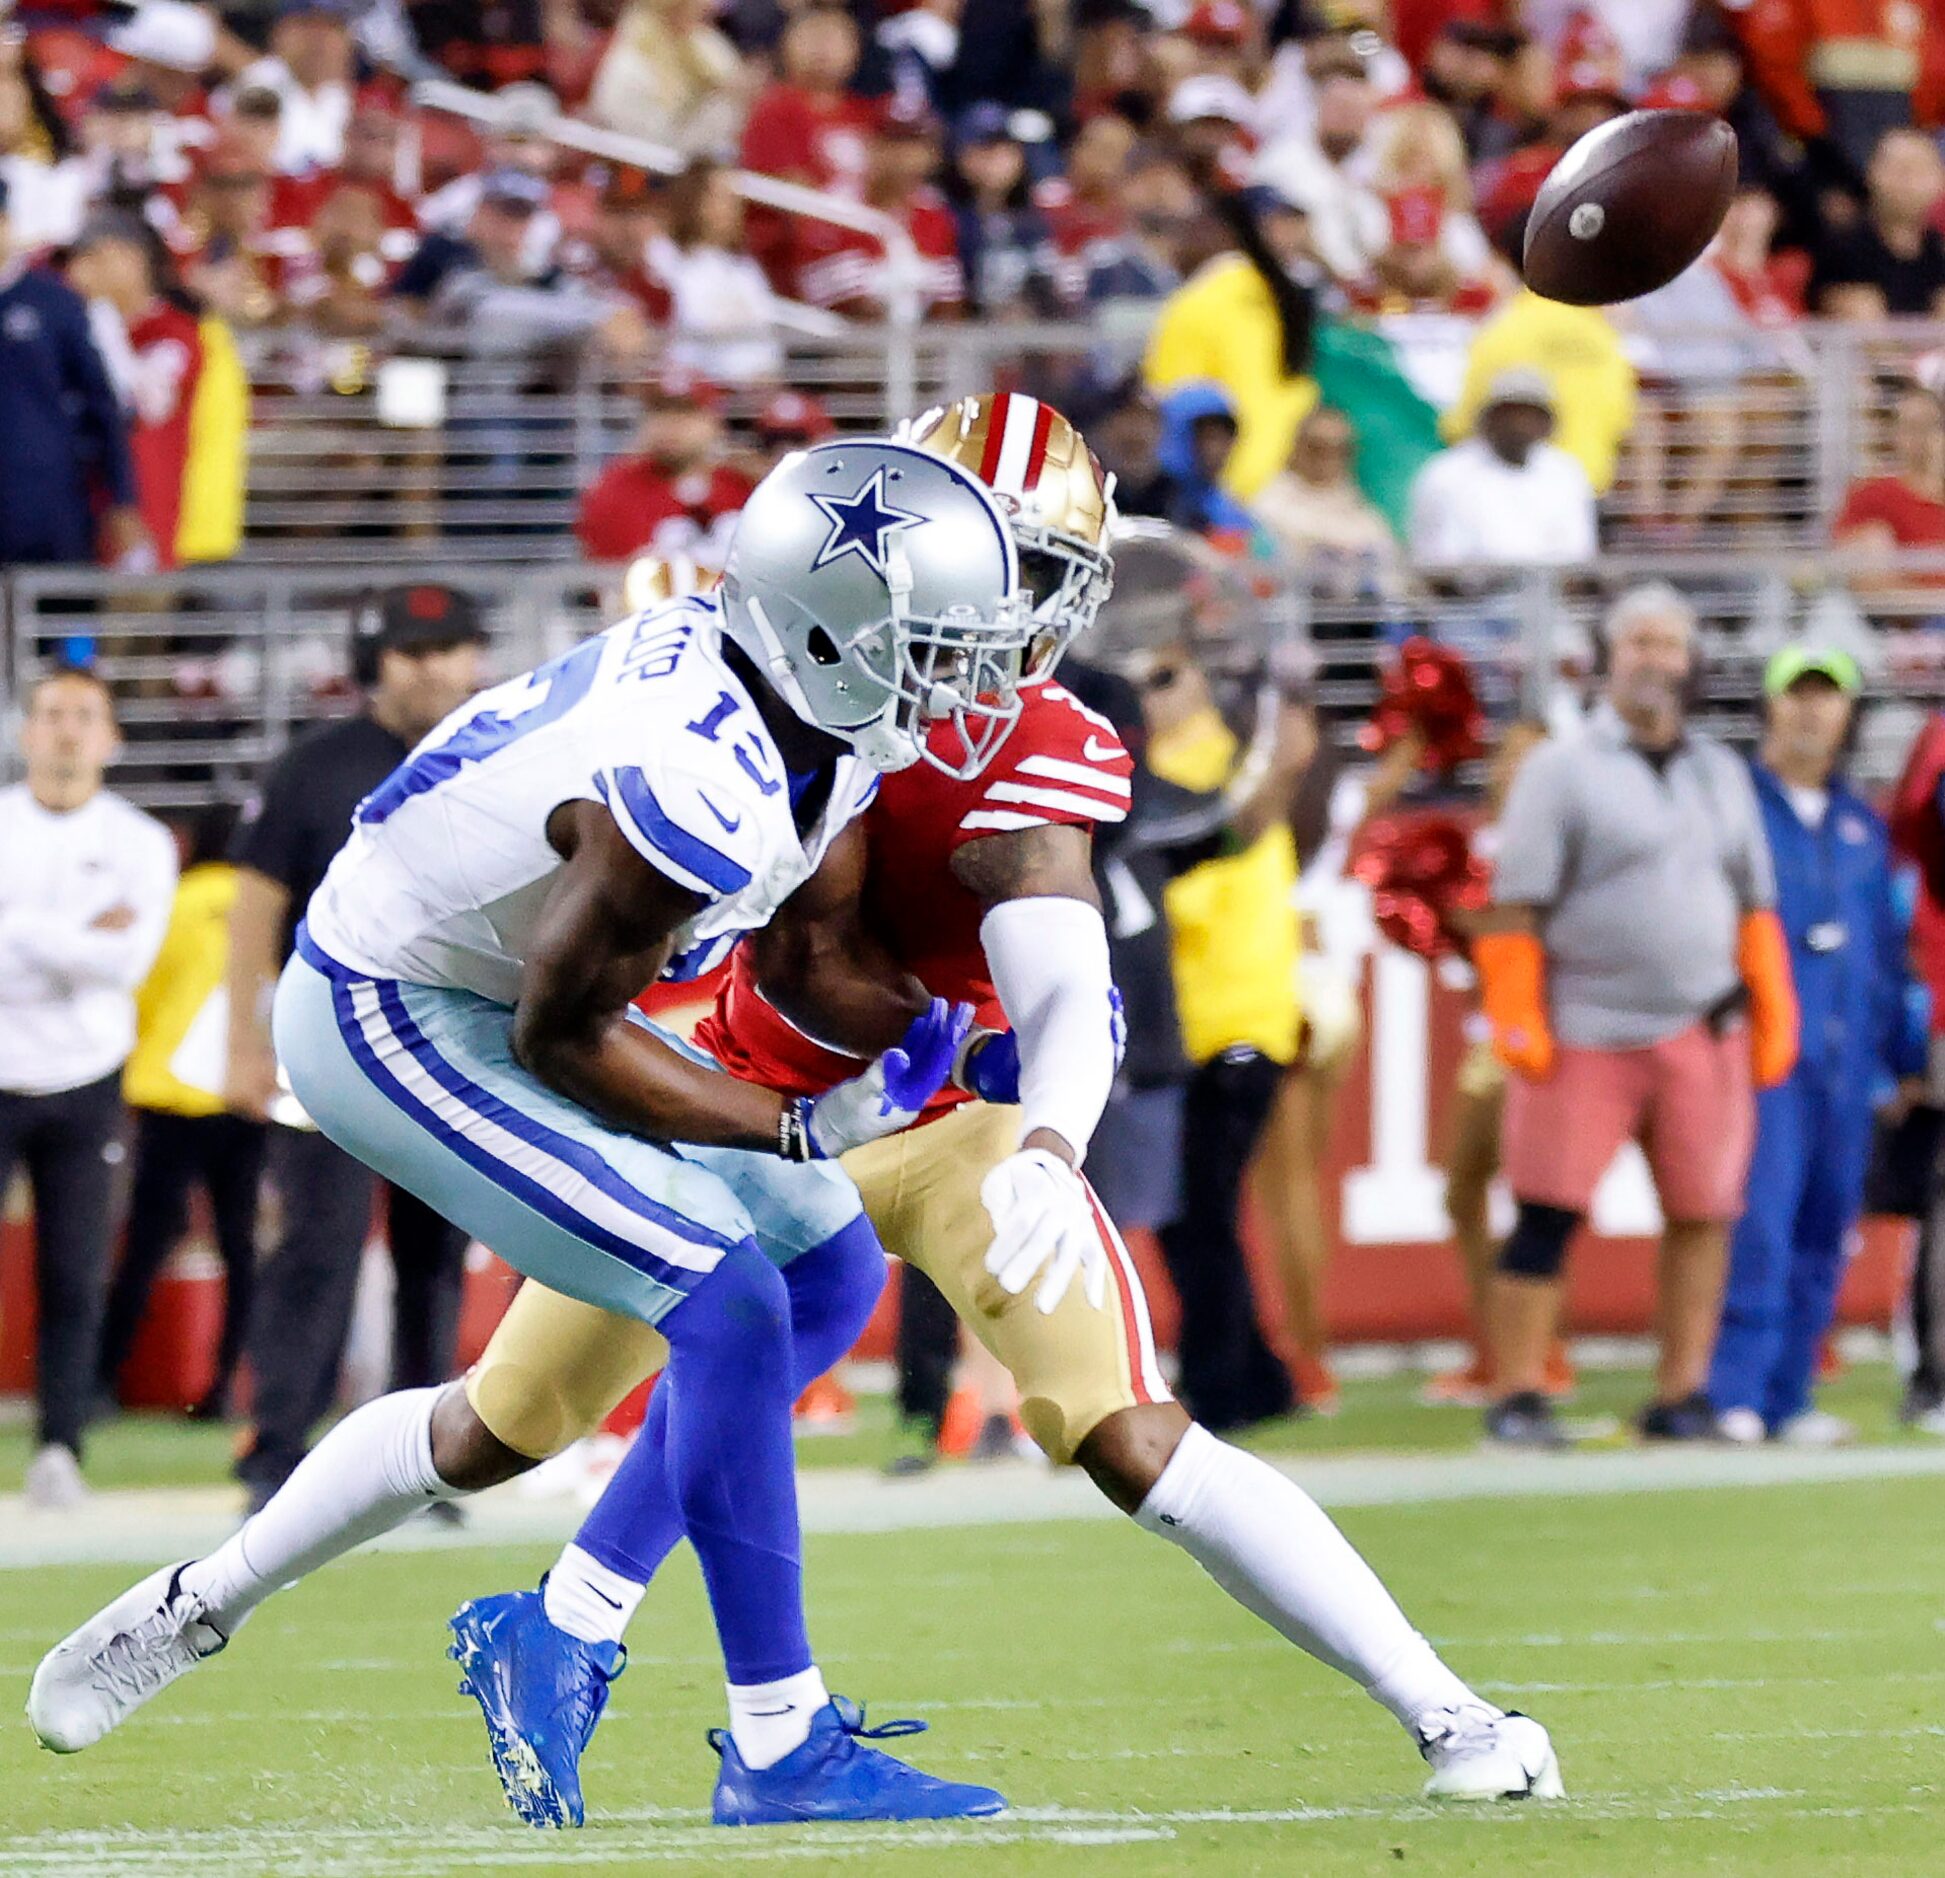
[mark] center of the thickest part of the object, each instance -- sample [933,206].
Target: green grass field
[1744,1680]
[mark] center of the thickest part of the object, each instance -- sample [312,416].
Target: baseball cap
[1520,384]
[1209,96]
[683,389]
[1795,662]
[424,617]
[514,189]
[1217,23]
[985,122]
[794,414]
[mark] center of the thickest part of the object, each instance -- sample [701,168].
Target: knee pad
[1537,1245]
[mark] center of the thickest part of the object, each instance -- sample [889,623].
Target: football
[1630,206]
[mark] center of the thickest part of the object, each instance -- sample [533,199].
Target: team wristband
[793,1130]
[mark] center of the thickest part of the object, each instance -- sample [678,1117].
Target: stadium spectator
[1139,260]
[518,139]
[339,283]
[806,126]
[1473,68]
[1242,320]
[1840,74]
[1208,124]
[1320,519]
[371,162]
[127,154]
[1591,381]
[671,76]
[1198,440]
[84,897]
[485,285]
[1006,246]
[1433,253]
[1864,1051]
[225,246]
[1087,201]
[722,313]
[47,184]
[1890,263]
[183,389]
[1507,495]
[920,48]
[173,1084]
[1128,440]
[848,271]
[1324,170]
[310,69]
[613,254]
[1905,508]
[673,495]
[64,452]
[1638,985]
[416,653]
[1768,286]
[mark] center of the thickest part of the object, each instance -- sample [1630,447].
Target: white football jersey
[448,864]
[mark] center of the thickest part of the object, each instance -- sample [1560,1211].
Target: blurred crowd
[1312,210]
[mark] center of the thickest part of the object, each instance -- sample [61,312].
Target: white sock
[372,1472]
[1275,1551]
[768,1720]
[587,1600]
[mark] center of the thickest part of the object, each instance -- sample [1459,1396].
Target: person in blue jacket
[1845,908]
[67,480]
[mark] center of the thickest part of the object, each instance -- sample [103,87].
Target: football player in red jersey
[978,885]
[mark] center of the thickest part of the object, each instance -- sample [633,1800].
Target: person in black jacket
[415,650]
[63,440]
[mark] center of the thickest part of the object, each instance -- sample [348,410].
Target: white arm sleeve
[1049,960]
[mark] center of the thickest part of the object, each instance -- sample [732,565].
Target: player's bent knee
[1536,1248]
[466,1453]
[1124,1455]
[528,1407]
[740,1312]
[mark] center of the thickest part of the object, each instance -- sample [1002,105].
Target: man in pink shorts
[1638,987]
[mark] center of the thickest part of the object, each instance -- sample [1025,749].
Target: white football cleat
[92,1681]
[1741,1428]
[1816,1428]
[1479,1754]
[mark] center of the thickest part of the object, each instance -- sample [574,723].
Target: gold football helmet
[1055,493]
[654,578]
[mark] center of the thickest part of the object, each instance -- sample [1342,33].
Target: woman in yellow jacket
[183,1135]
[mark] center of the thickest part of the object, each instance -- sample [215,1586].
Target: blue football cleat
[831,1777]
[541,1692]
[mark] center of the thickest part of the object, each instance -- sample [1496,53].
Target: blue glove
[888,1095]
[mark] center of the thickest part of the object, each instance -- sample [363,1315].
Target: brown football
[1630,206]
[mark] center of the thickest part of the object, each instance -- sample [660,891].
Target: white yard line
[152,1525]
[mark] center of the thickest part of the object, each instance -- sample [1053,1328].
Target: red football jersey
[168,348]
[636,505]
[1062,764]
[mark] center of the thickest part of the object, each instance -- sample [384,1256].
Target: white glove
[1043,1221]
[888,1096]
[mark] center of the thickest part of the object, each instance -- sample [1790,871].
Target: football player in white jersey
[457,1015]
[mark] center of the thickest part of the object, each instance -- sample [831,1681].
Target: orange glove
[1763,963]
[1513,989]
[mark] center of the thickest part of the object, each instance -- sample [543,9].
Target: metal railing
[216,670]
[497,468]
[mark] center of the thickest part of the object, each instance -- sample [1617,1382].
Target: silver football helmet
[877,586]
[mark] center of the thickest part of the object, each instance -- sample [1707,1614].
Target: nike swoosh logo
[770,1714]
[614,1604]
[1098,752]
[729,827]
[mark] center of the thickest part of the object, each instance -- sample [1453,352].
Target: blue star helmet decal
[861,523]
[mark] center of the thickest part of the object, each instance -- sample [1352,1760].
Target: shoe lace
[136,1662]
[1456,1731]
[850,1717]
[590,1694]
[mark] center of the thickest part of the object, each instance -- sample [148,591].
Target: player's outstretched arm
[604,933]
[1047,950]
[823,968]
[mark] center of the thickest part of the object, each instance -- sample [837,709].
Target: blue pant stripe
[512,1180]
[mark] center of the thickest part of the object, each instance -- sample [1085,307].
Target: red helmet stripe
[996,422]
[1043,424]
